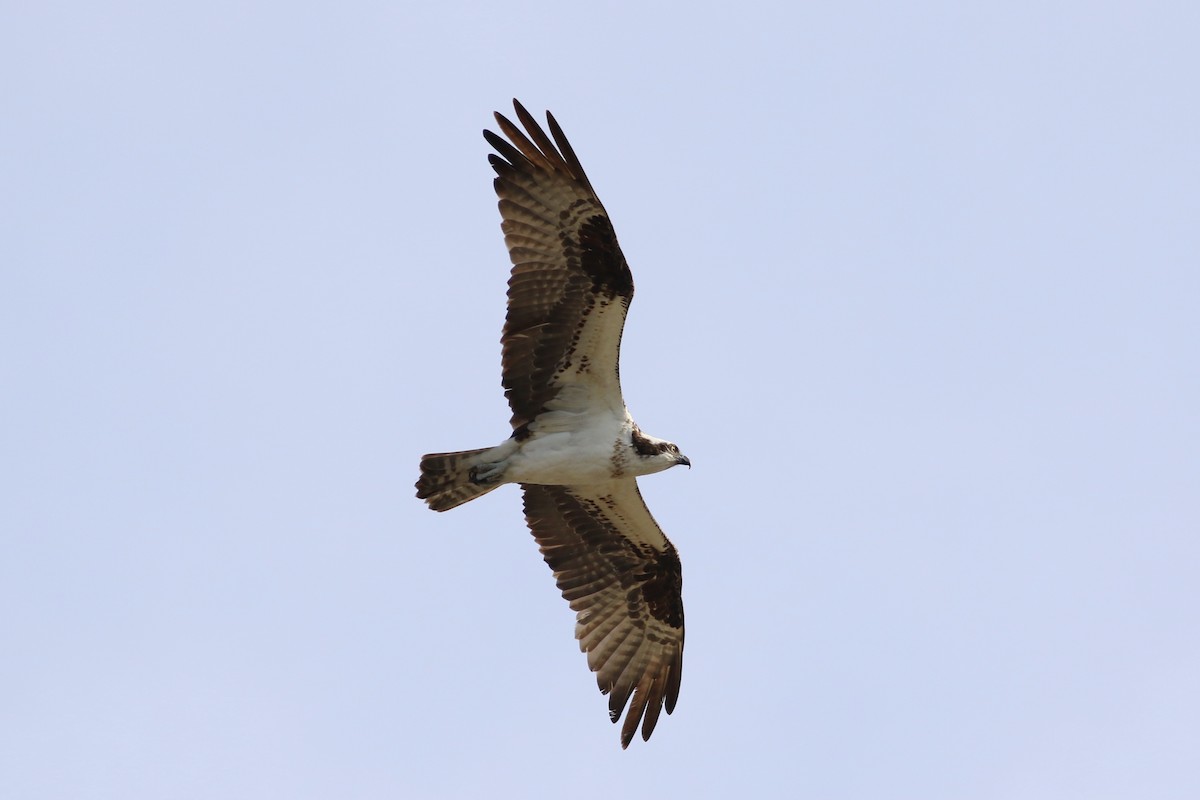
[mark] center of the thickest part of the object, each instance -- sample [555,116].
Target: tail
[446,479]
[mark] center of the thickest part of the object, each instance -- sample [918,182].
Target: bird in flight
[575,450]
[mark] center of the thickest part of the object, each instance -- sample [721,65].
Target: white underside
[567,449]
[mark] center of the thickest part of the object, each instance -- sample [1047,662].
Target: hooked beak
[684,460]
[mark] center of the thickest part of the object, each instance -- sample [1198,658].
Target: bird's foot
[483,474]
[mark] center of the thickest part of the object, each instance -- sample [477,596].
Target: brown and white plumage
[570,287]
[575,449]
[624,588]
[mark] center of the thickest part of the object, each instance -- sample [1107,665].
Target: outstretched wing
[570,286]
[622,578]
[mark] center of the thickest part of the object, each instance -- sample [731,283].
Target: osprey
[574,449]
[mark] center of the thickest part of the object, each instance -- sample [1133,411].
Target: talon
[485,473]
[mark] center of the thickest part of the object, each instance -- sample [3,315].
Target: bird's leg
[482,474]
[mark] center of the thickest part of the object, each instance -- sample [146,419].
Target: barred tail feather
[445,480]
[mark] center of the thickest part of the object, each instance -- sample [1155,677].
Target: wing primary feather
[674,673]
[535,131]
[636,709]
[514,155]
[542,140]
[653,710]
[568,152]
[527,148]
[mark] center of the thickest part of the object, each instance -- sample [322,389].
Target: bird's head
[654,454]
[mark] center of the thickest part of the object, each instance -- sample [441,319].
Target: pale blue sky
[918,294]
